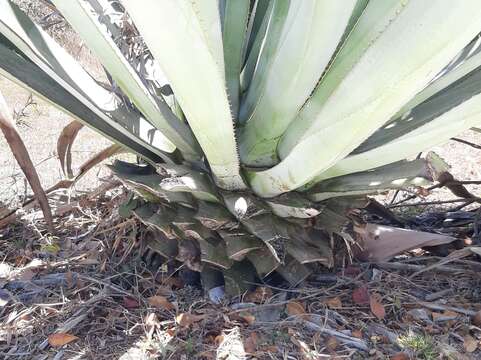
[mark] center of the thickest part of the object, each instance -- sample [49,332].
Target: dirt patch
[40,124]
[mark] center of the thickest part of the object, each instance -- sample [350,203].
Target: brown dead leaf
[332,343]
[259,295]
[295,308]
[130,302]
[334,303]
[186,319]
[382,243]
[60,339]
[270,349]
[400,356]
[69,279]
[163,291]
[303,347]
[160,302]
[436,315]
[247,317]
[360,296]
[470,344]
[357,334]
[351,271]
[173,282]
[26,274]
[64,146]
[376,307]
[447,315]
[219,339]
[476,320]
[250,344]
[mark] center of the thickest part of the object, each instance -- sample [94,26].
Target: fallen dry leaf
[69,279]
[270,349]
[376,307]
[247,317]
[186,319]
[381,243]
[250,344]
[334,303]
[130,303]
[357,334]
[470,344]
[445,316]
[476,320]
[351,271]
[259,295]
[360,296]
[160,302]
[60,339]
[400,356]
[303,347]
[163,291]
[219,339]
[295,308]
[173,282]
[332,343]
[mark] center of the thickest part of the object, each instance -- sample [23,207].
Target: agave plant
[259,123]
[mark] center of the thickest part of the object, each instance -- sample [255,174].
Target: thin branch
[476,146]
[435,202]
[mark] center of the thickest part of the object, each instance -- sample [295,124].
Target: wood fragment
[413,267]
[347,340]
[441,307]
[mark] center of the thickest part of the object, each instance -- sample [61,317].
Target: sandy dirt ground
[39,125]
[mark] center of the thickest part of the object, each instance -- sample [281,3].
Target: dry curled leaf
[357,334]
[259,295]
[334,303]
[332,343]
[186,319]
[247,317]
[270,349]
[130,302]
[173,282]
[60,339]
[160,302]
[400,356]
[360,296]
[250,344]
[219,339]
[376,307]
[295,308]
[470,344]
[476,320]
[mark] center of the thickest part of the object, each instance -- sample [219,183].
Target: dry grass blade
[64,146]
[98,158]
[23,158]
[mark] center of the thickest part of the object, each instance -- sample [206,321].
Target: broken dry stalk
[20,152]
